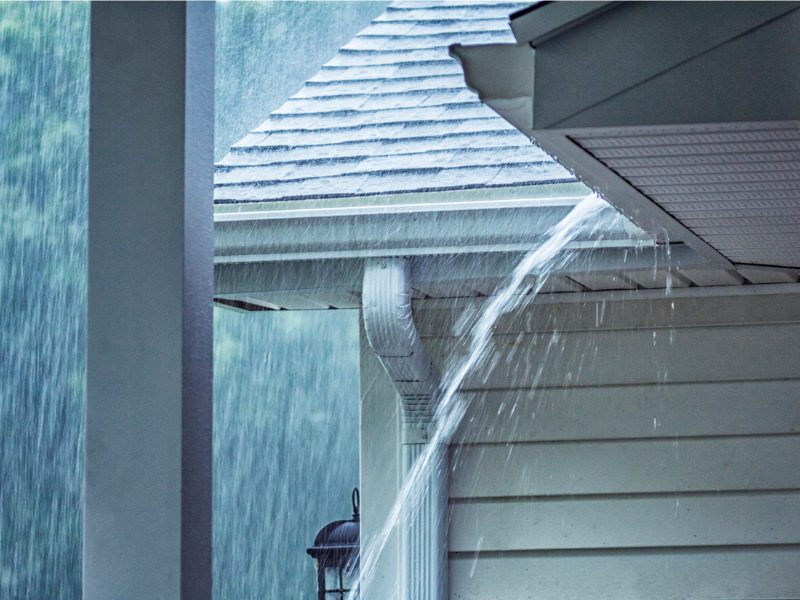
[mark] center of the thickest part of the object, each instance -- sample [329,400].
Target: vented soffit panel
[736,186]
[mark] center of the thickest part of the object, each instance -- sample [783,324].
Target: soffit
[737,186]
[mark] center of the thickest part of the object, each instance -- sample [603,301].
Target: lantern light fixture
[335,551]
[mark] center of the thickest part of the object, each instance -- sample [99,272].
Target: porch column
[147,519]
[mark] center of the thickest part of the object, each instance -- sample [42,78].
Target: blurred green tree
[44,83]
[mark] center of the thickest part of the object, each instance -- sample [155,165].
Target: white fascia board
[542,21]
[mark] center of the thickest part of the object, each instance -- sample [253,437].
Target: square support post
[147,519]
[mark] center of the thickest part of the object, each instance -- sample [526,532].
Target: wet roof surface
[390,114]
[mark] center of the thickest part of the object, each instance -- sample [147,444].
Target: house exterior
[635,433]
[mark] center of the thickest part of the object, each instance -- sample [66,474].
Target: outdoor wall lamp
[335,551]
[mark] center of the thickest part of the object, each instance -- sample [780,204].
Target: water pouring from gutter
[590,215]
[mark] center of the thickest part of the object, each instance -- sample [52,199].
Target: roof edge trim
[545,20]
[387,203]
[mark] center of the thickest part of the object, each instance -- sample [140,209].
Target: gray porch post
[147,520]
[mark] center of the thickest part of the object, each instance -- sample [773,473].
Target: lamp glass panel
[332,579]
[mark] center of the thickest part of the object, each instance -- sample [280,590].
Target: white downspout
[392,334]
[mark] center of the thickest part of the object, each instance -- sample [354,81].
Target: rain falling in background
[286,443]
[44,82]
[286,383]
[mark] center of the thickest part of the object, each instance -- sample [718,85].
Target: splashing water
[590,215]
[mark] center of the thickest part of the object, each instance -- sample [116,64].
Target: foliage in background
[43,102]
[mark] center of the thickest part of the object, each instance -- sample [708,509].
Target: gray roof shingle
[389,114]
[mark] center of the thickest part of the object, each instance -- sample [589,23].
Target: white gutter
[392,334]
[393,209]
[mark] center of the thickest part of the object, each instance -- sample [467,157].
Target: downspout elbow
[393,336]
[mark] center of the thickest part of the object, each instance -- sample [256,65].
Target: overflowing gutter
[313,257]
[457,226]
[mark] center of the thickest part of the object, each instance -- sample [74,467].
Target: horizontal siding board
[625,467]
[754,573]
[632,357]
[605,482]
[633,314]
[634,522]
[641,411]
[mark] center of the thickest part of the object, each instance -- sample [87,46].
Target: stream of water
[589,216]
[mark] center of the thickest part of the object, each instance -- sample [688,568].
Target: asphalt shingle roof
[389,114]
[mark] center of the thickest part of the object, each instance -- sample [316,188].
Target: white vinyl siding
[649,449]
